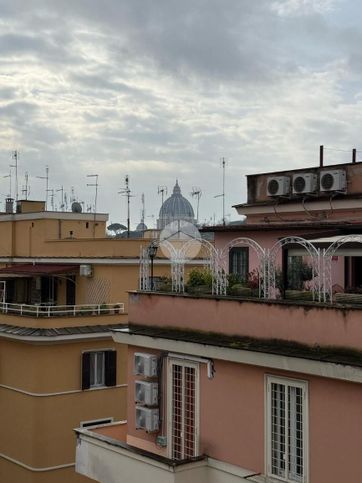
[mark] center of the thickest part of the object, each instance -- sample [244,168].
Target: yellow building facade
[63,287]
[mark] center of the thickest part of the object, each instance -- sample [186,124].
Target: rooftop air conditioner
[304,183]
[147,419]
[333,180]
[278,186]
[145,364]
[146,393]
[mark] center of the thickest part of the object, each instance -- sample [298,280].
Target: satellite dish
[76,207]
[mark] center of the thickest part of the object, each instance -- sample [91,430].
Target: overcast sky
[162,89]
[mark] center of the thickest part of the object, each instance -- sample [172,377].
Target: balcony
[103,454]
[49,315]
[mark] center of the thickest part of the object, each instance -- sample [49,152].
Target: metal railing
[45,310]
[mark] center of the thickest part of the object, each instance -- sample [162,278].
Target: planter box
[348,298]
[299,295]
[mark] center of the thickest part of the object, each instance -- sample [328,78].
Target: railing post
[21,309]
[73,309]
[37,310]
[99,309]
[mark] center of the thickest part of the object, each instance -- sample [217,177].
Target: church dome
[176,207]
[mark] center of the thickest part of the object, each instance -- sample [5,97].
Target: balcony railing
[47,310]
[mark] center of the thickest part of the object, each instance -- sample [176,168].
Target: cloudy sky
[162,89]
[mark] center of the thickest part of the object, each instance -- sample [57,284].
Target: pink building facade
[235,388]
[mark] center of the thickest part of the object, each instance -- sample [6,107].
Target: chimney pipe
[9,205]
[321,152]
[354,155]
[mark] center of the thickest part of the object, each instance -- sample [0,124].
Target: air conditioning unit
[147,419]
[145,364]
[333,180]
[85,270]
[146,393]
[304,183]
[278,186]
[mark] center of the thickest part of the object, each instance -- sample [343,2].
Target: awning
[33,270]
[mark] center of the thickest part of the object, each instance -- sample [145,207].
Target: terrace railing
[49,310]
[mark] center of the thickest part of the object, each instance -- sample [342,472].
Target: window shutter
[85,370]
[111,368]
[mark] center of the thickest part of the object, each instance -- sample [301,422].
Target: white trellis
[211,260]
[223,258]
[144,270]
[328,254]
[314,254]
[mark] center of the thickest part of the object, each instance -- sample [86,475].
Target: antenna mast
[15,156]
[61,190]
[95,198]
[196,192]
[51,191]
[163,191]
[127,192]
[143,212]
[46,177]
[9,176]
[26,188]
[223,164]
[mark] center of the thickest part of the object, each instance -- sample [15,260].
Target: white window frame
[189,364]
[94,354]
[287,382]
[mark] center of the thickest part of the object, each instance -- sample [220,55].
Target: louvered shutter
[85,370]
[111,368]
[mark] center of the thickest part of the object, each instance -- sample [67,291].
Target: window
[287,429]
[239,262]
[99,368]
[183,409]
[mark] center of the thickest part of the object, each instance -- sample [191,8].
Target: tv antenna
[143,211]
[15,157]
[10,184]
[66,201]
[223,164]
[61,190]
[95,184]
[46,177]
[127,192]
[196,193]
[26,188]
[163,191]
[51,191]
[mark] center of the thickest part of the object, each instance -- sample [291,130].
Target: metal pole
[321,155]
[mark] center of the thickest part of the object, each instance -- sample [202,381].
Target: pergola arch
[312,251]
[328,254]
[223,257]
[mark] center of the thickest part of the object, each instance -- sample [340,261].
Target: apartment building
[260,380]
[63,288]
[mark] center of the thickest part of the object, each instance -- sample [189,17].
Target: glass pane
[100,368]
[295,433]
[92,368]
[278,429]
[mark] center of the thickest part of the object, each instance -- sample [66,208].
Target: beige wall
[13,473]
[37,430]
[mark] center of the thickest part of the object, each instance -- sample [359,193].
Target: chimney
[9,205]
[354,155]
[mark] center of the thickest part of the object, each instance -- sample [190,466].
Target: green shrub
[199,277]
